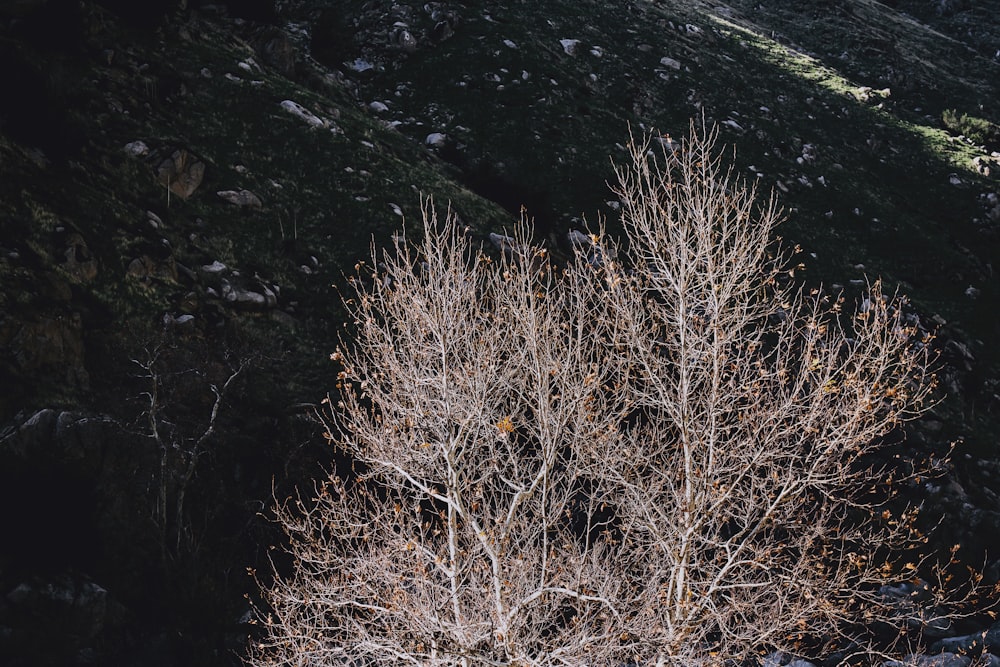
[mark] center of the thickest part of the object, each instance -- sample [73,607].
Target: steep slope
[838,106]
[172,208]
[180,190]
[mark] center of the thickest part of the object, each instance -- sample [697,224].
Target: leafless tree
[662,459]
[181,440]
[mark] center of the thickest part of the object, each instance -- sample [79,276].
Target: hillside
[184,188]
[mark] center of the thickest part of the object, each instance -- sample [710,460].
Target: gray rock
[671,63]
[406,41]
[570,46]
[249,299]
[299,111]
[443,30]
[63,435]
[987,640]
[360,66]
[508,245]
[579,240]
[989,660]
[436,139]
[241,198]
[137,148]
[941,660]
[76,607]
[215,267]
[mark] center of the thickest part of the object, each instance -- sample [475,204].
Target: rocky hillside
[184,185]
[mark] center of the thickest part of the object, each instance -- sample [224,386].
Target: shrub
[980,130]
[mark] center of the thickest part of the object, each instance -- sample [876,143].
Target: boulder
[570,46]
[299,111]
[671,63]
[436,139]
[986,640]
[262,299]
[182,173]
[405,41]
[144,268]
[241,198]
[59,434]
[941,660]
[78,614]
[137,148]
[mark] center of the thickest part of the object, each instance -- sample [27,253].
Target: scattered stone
[241,198]
[378,107]
[436,139]
[297,110]
[263,300]
[669,144]
[442,30]
[780,659]
[78,606]
[510,44]
[972,292]
[671,63]
[145,268]
[137,148]
[214,268]
[869,95]
[185,321]
[508,245]
[941,660]
[570,46]
[360,66]
[405,40]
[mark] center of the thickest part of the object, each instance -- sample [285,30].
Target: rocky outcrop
[69,606]
[61,435]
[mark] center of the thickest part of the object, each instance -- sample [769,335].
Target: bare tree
[661,459]
[181,440]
